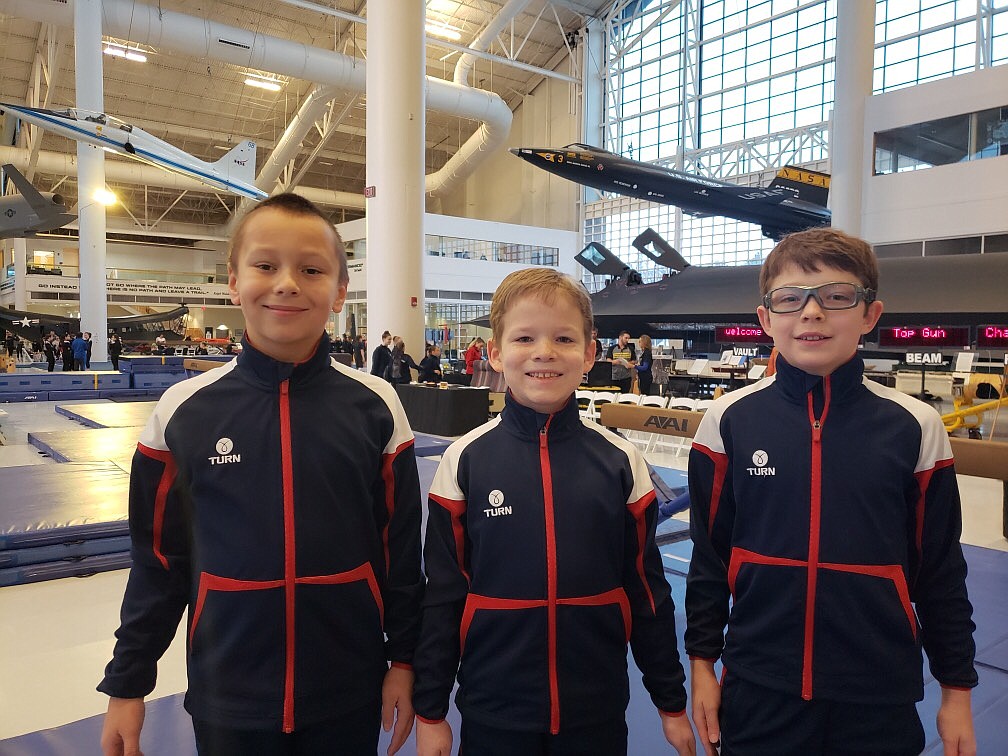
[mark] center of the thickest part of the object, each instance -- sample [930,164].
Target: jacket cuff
[402,665]
[672,713]
[956,687]
[430,721]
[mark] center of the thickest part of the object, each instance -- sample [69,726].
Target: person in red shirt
[473,353]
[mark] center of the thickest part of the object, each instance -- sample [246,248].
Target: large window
[735,89]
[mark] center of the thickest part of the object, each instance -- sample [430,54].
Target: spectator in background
[78,348]
[645,378]
[51,347]
[622,355]
[381,360]
[114,350]
[87,341]
[66,352]
[473,353]
[430,366]
[358,353]
[399,367]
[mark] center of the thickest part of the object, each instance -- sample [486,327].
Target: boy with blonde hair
[541,558]
[826,507]
[276,498]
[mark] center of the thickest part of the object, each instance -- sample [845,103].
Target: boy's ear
[233,286]
[493,356]
[763,314]
[341,293]
[872,314]
[589,356]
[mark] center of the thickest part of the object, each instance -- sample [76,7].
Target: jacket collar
[272,372]
[527,423]
[796,383]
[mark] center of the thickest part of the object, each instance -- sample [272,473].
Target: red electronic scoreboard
[925,336]
[741,334]
[992,337]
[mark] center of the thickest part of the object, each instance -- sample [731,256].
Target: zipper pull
[542,437]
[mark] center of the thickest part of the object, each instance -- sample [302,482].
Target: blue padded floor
[427,445]
[85,500]
[167,729]
[108,414]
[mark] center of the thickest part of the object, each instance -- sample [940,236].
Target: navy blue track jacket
[828,509]
[541,566]
[281,504]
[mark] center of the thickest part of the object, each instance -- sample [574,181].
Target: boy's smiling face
[542,351]
[815,339]
[286,277]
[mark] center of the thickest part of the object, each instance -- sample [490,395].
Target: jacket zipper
[290,575]
[815,512]
[551,577]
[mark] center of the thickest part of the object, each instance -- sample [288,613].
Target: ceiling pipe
[486,37]
[202,38]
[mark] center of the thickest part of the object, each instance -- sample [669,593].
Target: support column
[395,171]
[91,178]
[19,251]
[849,165]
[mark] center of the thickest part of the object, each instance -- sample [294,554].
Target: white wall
[962,199]
[506,188]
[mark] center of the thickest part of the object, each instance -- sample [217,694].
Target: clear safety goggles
[829,296]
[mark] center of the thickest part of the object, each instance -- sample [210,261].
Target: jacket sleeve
[653,640]
[447,566]
[939,586]
[712,510]
[158,587]
[403,590]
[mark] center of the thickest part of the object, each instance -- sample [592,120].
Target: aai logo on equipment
[224,447]
[496,501]
[760,459]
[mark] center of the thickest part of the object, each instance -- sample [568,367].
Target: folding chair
[600,398]
[584,402]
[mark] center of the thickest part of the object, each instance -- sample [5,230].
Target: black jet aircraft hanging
[794,201]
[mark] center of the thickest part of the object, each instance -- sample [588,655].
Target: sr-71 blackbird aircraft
[31,211]
[794,201]
[235,172]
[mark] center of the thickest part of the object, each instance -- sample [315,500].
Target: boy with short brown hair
[541,558]
[825,506]
[277,498]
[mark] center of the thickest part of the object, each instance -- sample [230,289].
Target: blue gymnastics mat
[427,445]
[78,567]
[66,551]
[81,500]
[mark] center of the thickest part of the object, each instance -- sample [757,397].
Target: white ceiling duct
[199,37]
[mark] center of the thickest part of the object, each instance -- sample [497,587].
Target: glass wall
[734,89]
[492,251]
[970,136]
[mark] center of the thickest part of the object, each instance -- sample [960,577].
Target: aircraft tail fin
[31,195]
[240,162]
[808,186]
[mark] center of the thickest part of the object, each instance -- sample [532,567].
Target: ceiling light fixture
[443,30]
[263,82]
[122,51]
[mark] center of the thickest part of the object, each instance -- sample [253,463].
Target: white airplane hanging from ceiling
[235,172]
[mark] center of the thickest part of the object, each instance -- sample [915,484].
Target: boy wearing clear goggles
[826,507]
